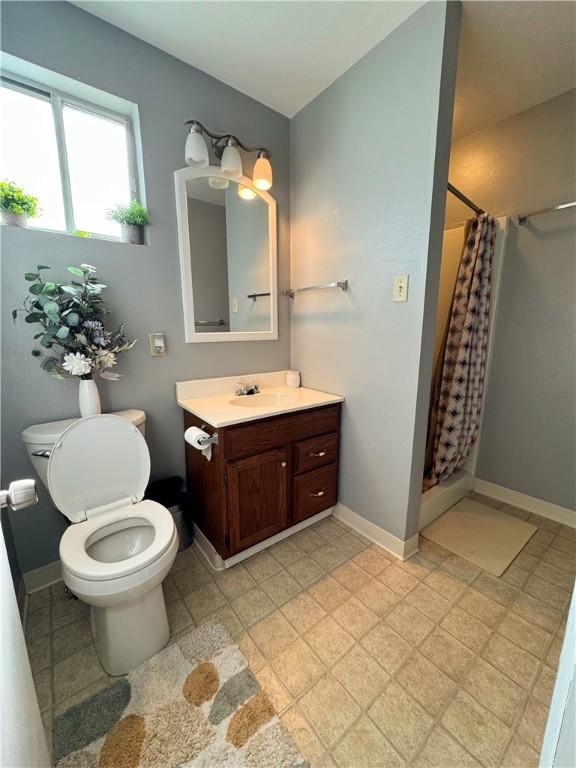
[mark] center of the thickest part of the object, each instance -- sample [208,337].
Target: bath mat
[196,704]
[484,536]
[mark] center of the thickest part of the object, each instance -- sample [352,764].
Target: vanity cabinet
[264,476]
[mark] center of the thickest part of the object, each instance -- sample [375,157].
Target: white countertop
[222,410]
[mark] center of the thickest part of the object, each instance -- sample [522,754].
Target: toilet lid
[97,461]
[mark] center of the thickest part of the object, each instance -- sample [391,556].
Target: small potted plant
[16,205]
[132,219]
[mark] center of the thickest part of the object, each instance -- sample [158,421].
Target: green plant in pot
[16,205]
[132,219]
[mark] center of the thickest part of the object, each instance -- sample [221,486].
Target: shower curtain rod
[466,200]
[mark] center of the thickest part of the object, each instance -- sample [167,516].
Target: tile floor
[368,660]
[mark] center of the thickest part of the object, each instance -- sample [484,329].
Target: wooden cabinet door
[257,498]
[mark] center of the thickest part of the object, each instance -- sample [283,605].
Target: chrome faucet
[246,389]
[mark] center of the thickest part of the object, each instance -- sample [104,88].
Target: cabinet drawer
[314,491]
[316,452]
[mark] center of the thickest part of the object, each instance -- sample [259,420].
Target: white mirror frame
[191,335]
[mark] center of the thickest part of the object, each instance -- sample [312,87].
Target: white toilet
[119,548]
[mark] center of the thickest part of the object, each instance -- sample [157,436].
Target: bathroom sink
[260,400]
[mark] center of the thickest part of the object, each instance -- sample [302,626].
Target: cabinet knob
[317,493]
[317,453]
[282,463]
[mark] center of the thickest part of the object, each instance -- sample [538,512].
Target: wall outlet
[157,344]
[234,304]
[401,288]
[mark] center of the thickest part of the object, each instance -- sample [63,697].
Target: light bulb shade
[217,183]
[246,193]
[231,163]
[262,175]
[196,151]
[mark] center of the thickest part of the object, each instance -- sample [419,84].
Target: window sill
[99,238]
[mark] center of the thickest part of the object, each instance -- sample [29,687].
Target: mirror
[227,236]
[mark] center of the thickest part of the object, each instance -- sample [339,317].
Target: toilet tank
[40,438]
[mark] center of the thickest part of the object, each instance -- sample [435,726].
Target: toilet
[119,547]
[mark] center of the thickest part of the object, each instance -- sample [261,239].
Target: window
[76,158]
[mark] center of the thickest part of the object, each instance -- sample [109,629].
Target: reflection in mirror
[229,255]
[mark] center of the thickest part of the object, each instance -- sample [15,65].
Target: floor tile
[536,612]
[527,636]
[426,683]
[281,587]
[303,735]
[273,634]
[515,576]
[364,746]
[495,589]
[306,571]
[447,653]
[253,655]
[548,593]
[329,640]
[387,647]
[43,687]
[329,593]
[178,617]
[555,576]
[170,590]
[75,673]
[234,582]
[428,602]
[535,548]
[442,751]
[464,627]
[417,566]
[481,607]
[327,529]
[287,552]
[253,606]
[228,619]
[37,600]
[328,557]
[38,623]
[262,566]
[543,523]
[520,755]
[362,677]
[39,653]
[398,580]
[494,690]
[303,612]
[71,638]
[373,560]
[553,656]
[477,729]
[525,561]
[544,686]
[409,623]
[298,667]
[204,601]
[533,723]
[560,560]
[445,585]
[401,719]
[488,501]
[190,578]
[377,597]
[307,540]
[85,693]
[355,617]
[329,709]
[351,576]
[431,551]
[59,591]
[521,514]
[518,665]
[459,568]
[350,545]
[276,691]
[185,559]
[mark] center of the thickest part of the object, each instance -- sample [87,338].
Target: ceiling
[513,54]
[282,53]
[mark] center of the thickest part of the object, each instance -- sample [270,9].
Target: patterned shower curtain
[464,365]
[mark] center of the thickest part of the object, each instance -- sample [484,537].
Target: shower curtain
[464,365]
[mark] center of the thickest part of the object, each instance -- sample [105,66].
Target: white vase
[89,398]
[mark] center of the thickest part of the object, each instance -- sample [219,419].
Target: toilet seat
[73,544]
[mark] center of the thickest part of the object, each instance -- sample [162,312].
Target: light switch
[157,344]
[401,288]
[234,304]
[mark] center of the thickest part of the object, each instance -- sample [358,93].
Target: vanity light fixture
[226,148]
[246,193]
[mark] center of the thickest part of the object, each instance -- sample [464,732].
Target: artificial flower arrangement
[72,317]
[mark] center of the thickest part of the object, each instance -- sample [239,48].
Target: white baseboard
[398,547]
[204,546]
[540,507]
[441,497]
[42,577]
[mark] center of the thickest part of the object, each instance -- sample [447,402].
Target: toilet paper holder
[211,440]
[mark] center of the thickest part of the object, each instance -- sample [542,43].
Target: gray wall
[369,168]
[525,163]
[209,257]
[144,281]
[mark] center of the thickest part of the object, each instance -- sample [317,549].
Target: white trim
[398,547]
[204,546]
[190,334]
[441,497]
[540,507]
[42,577]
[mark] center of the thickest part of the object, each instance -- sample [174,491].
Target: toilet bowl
[119,547]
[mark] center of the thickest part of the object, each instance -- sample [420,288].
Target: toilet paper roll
[194,437]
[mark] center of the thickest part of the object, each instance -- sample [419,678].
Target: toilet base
[127,634]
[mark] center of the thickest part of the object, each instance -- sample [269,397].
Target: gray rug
[196,704]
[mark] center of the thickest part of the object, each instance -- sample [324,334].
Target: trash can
[171,494]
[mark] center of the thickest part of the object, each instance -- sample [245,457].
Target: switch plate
[401,288]
[234,304]
[157,344]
